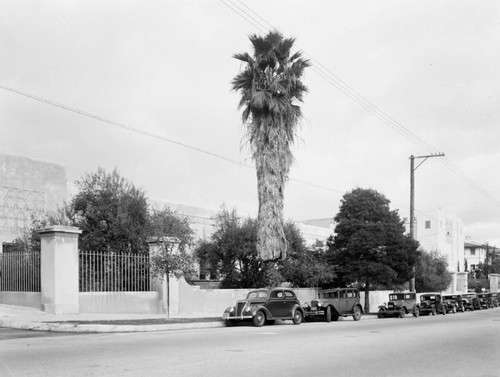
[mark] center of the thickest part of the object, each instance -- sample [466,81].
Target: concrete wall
[377,298]
[29,299]
[119,302]
[191,301]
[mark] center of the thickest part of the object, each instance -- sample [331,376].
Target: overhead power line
[261,24]
[150,134]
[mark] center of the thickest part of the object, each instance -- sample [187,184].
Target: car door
[290,302]
[350,300]
[277,304]
[343,301]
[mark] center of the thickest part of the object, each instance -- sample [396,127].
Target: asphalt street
[459,344]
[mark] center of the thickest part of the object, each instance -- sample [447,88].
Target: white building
[442,231]
[478,252]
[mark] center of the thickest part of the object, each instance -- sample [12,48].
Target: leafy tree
[111,212]
[114,217]
[483,269]
[270,85]
[231,254]
[174,236]
[307,267]
[370,247]
[431,273]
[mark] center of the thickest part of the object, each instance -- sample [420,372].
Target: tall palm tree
[270,89]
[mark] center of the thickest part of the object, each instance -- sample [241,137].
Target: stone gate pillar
[493,282]
[462,284]
[59,269]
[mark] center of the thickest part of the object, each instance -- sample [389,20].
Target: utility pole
[412,201]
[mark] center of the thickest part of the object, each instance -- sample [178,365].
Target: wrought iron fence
[114,272]
[20,272]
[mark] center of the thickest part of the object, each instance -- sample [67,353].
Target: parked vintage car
[431,303]
[470,301]
[333,303]
[454,303]
[485,300]
[400,304]
[265,306]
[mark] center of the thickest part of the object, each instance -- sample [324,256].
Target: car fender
[299,308]
[359,306]
[264,309]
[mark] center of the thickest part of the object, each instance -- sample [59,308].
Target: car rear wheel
[297,317]
[454,310]
[259,319]
[402,313]
[328,314]
[356,313]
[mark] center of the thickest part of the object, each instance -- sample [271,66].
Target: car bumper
[228,317]
[312,313]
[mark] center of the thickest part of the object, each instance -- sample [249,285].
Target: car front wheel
[259,319]
[402,313]
[416,312]
[381,313]
[297,317]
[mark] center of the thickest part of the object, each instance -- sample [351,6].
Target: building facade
[27,188]
[442,231]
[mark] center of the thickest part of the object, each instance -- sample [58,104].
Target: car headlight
[320,303]
[231,309]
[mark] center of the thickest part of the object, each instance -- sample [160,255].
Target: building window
[473,252]
[427,224]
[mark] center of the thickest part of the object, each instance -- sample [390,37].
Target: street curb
[99,328]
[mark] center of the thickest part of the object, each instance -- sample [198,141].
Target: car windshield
[258,294]
[396,297]
[330,294]
[429,297]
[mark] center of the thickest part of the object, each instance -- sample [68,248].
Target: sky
[389,79]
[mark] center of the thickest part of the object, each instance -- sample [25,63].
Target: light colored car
[334,303]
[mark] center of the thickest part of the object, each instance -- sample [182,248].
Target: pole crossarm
[425,158]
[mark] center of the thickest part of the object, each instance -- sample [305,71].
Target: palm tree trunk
[271,241]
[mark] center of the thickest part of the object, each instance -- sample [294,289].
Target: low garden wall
[29,299]
[119,302]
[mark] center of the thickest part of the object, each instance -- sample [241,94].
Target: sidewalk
[18,317]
